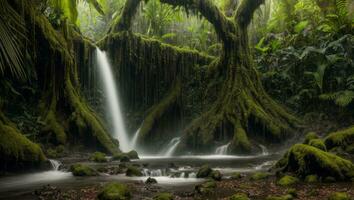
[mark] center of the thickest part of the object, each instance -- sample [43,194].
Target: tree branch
[124,21]
[245,11]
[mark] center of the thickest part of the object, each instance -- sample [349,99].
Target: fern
[341,98]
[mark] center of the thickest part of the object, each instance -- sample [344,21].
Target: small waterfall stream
[222,150]
[112,98]
[135,140]
[55,164]
[264,150]
[171,147]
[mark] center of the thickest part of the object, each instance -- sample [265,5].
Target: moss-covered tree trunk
[242,107]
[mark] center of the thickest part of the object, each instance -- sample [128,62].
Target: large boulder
[114,191]
[343,139]
[133,171]
[163,196]
[82,170]
[204,172]
[98,157]
[306,160]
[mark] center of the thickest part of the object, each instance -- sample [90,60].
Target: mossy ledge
[343,139]
[306,160]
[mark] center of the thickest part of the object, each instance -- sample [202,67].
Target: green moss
[115,191]
[307,160]
[339,196]
[82,170]
[342,139]
[239,196]
[292,192]
[204,172]
[259,176]
[236,175]
[311,179]
[287,180]
[163,196]
[310,136]
[284,197]
[98,157]
[133,171]
[16,150]
[318,143]
[133,154]
[126,156]
[240,143]
[206,188]
[216,175]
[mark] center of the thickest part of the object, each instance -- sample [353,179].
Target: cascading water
[111,93]
[55,164]
[135,140]
[222,150]
[172,146]
[264,150]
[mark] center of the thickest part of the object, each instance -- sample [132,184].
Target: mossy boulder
[311,179]
[150,181]
[259,176]
[343,139]
[82,170]
[98,157]
[114,191]
[287,180]
[133,171]
[339,196]
[163,196]
[133,154]
[126,157]
[216,175]
[236,175]
[306,160]
[310,136]
[204,172]
[239,196]
[206,188]
[318,143]
[284,197]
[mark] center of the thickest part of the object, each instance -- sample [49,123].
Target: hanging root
[158,110]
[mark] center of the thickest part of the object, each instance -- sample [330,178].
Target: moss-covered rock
[311,179]
[284,197]
[133,154]
[56,152]
[16,150]
[204,172]
[259,176]
[114,191]
[239,196]
[310,136]
[307,160]
[150,181]
[339,196]
[343,139]
[236,175]
[206,188]
[216,175]
[82,170]
[318,143]
[125,157]
[98,157]
[133,171]
[163,196]
[292,192]
[287,180]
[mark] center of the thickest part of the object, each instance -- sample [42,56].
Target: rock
[259,176]
[163,196]
[343,139]
[329,179]
[124,158]
[206,188]
[284,197]
[204,172]
[307,160]
[133,171]
[82,170]
[216,175]
[114,191]
[133,154]
[318,143]
[239,196]
[292,192]
[310,136]
[151,181]
[236,175]
[311,179]
[339,196]
[287,180]
[98,157]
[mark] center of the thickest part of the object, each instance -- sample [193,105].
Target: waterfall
[135,139]
[264,150]
[55,164]
[171,147]
[113,107]
[222,150]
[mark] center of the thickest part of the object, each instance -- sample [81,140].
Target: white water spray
[112,98]
[55,164]
[264,150]
[222,150]
[135,139]
[172,146]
